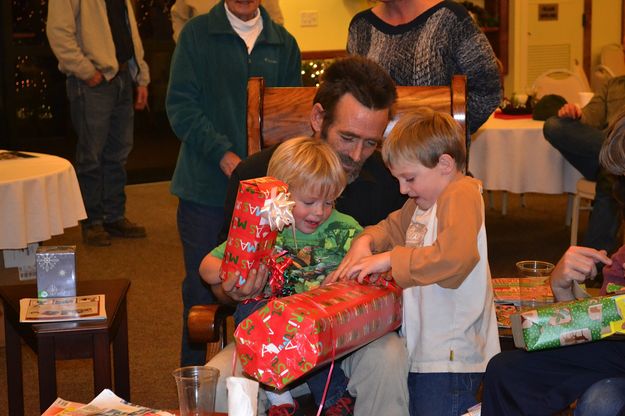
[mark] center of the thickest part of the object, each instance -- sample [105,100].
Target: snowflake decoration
[47,262]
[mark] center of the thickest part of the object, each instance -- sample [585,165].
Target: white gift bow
[277,210]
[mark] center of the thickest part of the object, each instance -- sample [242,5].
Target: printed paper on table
[106,403]
[76,308]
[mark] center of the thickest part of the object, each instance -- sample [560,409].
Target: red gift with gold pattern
[261,209]
[290,336]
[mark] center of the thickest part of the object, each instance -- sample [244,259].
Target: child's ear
[316,118]
[446,164]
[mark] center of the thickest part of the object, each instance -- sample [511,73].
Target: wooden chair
[613,58]
[275,114]
[585,191]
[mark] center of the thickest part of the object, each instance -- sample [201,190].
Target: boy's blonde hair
[310,166]
[424,135]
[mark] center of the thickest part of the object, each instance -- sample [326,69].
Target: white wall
[606,26]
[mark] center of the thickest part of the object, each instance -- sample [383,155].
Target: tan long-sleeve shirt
[449,316]
[454,253]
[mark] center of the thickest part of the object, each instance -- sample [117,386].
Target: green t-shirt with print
[312,255]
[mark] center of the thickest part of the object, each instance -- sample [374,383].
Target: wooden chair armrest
[207,323]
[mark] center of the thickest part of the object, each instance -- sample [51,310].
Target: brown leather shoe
[124,228]
[95,235]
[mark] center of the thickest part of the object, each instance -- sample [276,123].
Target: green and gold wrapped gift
[569,323]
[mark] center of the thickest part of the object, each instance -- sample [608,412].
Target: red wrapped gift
[261,209]
[290,336]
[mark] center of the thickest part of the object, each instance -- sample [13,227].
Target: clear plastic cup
[534,288]
[196,389]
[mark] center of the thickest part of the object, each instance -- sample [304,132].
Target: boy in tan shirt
[436,247]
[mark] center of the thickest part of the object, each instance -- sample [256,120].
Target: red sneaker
[285,410]
[343,407]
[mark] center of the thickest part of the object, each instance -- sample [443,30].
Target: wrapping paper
[261,209]
[569,323]
[290,336]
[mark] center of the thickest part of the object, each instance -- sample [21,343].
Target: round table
[39,197]
[513,155]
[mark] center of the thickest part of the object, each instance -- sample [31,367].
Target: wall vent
[541,58]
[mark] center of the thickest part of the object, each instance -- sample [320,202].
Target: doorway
[554,36]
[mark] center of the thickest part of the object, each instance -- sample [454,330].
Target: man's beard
[353,168]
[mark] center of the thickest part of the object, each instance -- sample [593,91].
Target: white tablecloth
[39,197]
[513,155]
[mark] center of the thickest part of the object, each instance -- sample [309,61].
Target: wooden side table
[66,341]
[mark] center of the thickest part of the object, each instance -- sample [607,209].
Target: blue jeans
[442,394]
[604,398]
[315,380]
[580,145]
[605,217]
[103,118]
[198,226]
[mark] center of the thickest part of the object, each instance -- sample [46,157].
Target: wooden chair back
[613,57]
[275,114]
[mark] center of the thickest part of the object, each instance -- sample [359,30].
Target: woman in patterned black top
[426,42]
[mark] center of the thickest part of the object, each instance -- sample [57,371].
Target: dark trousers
[580,145]
[545,382]
[103,118]
[442,394]
[198,226]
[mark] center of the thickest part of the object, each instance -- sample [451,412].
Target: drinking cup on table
[534,287]
[196,390]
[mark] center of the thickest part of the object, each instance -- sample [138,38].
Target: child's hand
[253,286]
[371,265]
[361,247]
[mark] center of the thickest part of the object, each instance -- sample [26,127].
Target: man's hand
[569,110]
[577,264]
[253,286]
[141,98]
[228,163]
[96,79]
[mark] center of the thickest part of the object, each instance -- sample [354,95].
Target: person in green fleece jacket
[215,55]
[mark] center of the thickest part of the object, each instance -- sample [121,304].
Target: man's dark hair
[364,79]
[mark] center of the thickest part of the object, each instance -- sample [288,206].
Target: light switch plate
[309,18]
